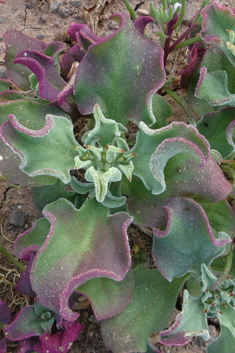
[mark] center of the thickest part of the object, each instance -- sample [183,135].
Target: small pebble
[42,19]
[16,218]
[40,36]
[2,20]
[64,11]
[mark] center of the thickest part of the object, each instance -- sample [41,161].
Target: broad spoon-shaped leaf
[74,251]
[121,73]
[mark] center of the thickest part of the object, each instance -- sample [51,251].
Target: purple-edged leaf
[155,147]
[206,88]
[67,259]
[97,290]
[120,78]
[190,322]
[3,345]
[31,115]
[214,59]
[218,129]
[26,345]
[217,20]
[48,151]
[43,195]
[224,343]
[82,34]
[188,240]
[5,313]
[221,217]
[60,341]
[152,304]
[15,42]
[50,82]
[74,54]
[32,239]
[141,22]
[183,177]
[24,285]
[26,324]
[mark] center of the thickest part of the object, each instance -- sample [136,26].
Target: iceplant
[91,189]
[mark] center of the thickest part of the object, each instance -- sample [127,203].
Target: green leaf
[214,126]
[74,251]
[153,302]
[161,110]
[190,322]
[213,87]
[188,240]
[121,73]
[108,297]
[48,151]
[43,195]
[33,238]
[154,148]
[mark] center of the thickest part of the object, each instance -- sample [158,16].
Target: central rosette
[105,156]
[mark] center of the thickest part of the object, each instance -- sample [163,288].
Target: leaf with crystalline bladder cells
[154,148]
[121,78]
[74,251]
[190,322]
[152,304]
[48,151]
[188,240]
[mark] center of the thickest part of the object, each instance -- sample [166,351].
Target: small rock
[57,23]
[16,218]
[1,38]
[64,11]
[43,19]
[2,20]
[113,25]
[40,36]
[76,3]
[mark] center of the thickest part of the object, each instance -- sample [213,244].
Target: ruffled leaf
[217,20]
[97,290]
[33,116]
[153,302]
[50,82]
[218,129]
[33,238]
[184,327]
[188,240]
[15,42]
[78,255]
[183,177]
[48,151]
[155,147]
[206,88]
[131,72]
